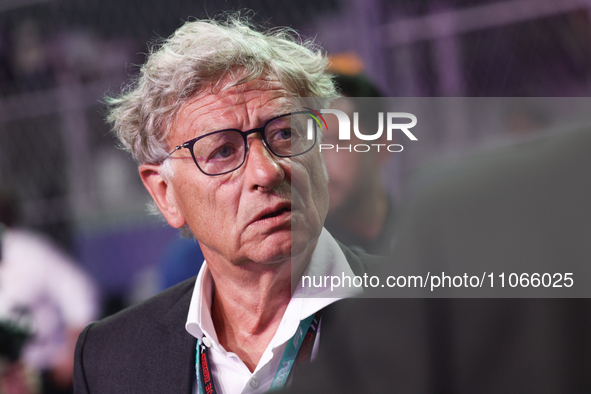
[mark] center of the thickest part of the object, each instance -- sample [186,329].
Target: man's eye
[283,134]
[222,152]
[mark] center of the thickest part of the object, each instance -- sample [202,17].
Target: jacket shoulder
[145,312]
[140,348]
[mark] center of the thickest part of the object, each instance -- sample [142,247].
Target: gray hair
[199,56]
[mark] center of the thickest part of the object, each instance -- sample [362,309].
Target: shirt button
[206,341]
[254,383]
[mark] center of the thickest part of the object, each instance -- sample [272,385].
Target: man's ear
[162,193]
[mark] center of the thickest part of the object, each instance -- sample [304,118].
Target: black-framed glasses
[224,151]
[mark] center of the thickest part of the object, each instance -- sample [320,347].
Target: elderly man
[225,154]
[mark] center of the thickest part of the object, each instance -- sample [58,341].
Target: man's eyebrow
[283,109]
[199,129]
[207,125]
[275,114]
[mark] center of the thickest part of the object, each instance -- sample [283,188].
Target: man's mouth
[276,213]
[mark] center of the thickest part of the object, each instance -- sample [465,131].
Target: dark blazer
[517,209]
[143,349]
[523,208]
[146,349]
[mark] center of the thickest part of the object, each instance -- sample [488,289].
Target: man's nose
[263,171]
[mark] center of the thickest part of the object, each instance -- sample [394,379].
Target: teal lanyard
[294,353]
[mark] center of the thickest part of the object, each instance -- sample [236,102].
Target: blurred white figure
[42,288]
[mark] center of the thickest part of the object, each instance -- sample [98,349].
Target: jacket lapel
[175,371]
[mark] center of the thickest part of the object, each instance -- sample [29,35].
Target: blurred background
[59,58]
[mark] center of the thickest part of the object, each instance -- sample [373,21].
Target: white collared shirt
[230,374]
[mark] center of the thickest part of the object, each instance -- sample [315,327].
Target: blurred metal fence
[59,57]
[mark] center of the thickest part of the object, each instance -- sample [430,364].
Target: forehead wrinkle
[182,116]
[256,112]
[245,94]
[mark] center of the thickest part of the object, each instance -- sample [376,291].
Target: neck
[249,302]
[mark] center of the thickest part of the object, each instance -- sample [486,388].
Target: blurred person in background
[361,212]
[46,293]
[522,208]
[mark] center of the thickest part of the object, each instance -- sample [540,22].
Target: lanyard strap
[297,352]
[202,366]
